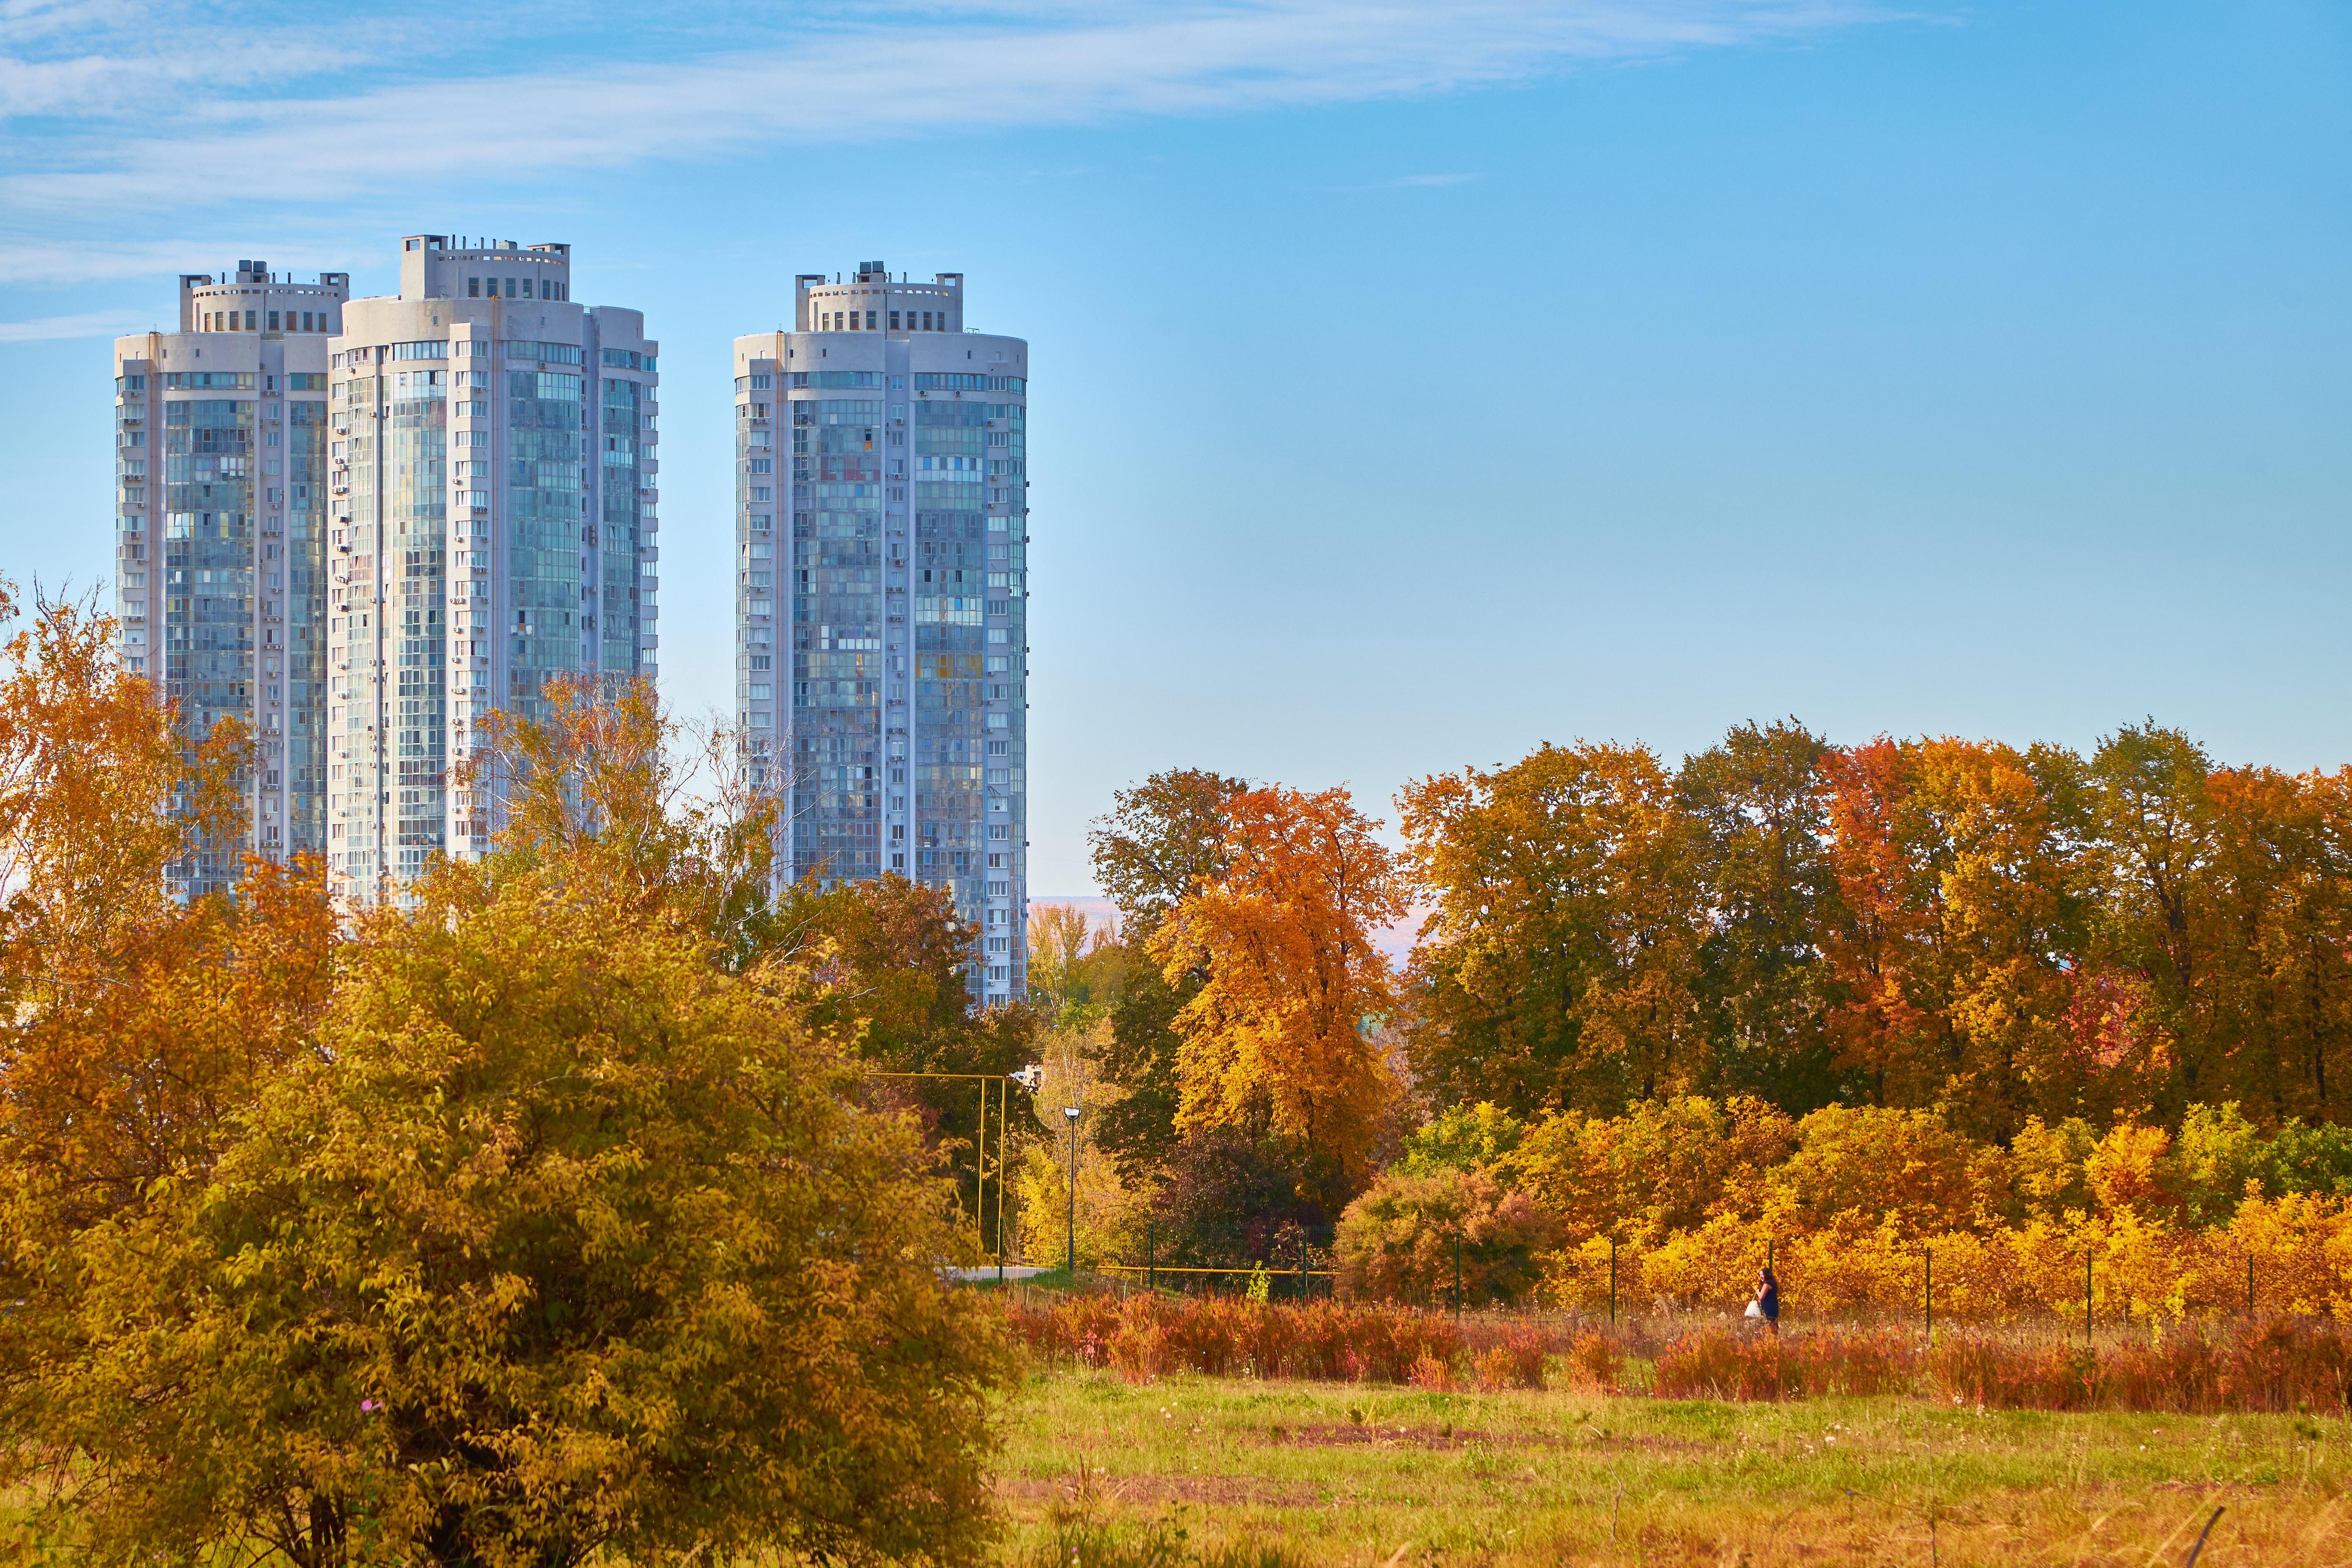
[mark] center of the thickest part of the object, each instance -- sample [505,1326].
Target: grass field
[1318,1473]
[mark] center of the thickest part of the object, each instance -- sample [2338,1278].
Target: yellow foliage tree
[545,1223]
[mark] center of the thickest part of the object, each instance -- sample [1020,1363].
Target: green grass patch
[1188,1470]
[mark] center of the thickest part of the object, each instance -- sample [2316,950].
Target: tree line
[2002,937]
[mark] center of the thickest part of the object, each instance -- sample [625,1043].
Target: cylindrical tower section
[881,596]
[220,502]
[494,530]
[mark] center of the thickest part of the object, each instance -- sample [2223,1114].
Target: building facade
[881,596]
[491,526]
[221,492]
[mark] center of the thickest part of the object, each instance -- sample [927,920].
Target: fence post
[1613,1281]
[1150,1254]
[2086,1293]
[2250,1282]
[1302,1265]
[1929,1255]
[1003,1089]
[1458,1273]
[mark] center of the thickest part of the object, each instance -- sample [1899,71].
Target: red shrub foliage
[1514,1359]
[2282,1364]
[1143,1336]
[1721,1363]
[2279,1365]
[1596,1362]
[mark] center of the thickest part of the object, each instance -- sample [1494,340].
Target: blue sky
[1412,384]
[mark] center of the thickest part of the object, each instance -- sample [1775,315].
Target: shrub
[2277,1365]
[1147,1335]
[1462,1138]
[1429,1372]
[1399,1241]
[1721,1363]
[1873,1162]
[1596,1362]
[1515,1360]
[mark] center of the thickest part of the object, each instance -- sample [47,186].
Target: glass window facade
[306,622]
[881,522]
[208,585]
[492,530]
[545,528]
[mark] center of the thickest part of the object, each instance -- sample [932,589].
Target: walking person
[1765,1302]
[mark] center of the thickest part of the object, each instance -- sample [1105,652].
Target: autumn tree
[131,1025]
[1558,967]
[1874,1163]
[135,1030]
[1162,840]
[1758,804]
[1277,1039]
[1074,964]
[1664,1164]
[1964,869]
[630,809]
[578,1239]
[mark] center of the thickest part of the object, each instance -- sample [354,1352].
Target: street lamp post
[1070,1113]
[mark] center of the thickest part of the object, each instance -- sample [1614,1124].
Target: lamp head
[1071,1111]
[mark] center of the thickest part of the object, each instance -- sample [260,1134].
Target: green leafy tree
[1461,1138]
[1557,970]
[1162,841]
[1759,802]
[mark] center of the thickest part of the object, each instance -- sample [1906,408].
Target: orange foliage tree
[1962,867]
[1278,1039]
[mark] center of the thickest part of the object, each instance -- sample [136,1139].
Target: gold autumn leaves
[2005,937]
[537,1214]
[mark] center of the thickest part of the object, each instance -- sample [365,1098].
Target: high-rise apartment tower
[492,527]
[880,595]
[221,492]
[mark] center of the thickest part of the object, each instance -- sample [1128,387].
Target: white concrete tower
[492,527]
[220,470]
[881,589]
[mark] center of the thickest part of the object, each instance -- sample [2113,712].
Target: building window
[869,320]
[511,293]
[273,321]
[525,288]
[473,288]
[894,320]
[248,320]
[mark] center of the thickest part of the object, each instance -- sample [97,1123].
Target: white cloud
[827,80]
[97,324]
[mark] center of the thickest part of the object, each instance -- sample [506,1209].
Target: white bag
[1755,1310]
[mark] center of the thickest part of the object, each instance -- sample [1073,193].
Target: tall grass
[2278,1364]
[1144,1336]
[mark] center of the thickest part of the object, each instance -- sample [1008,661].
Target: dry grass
[1318,1473]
